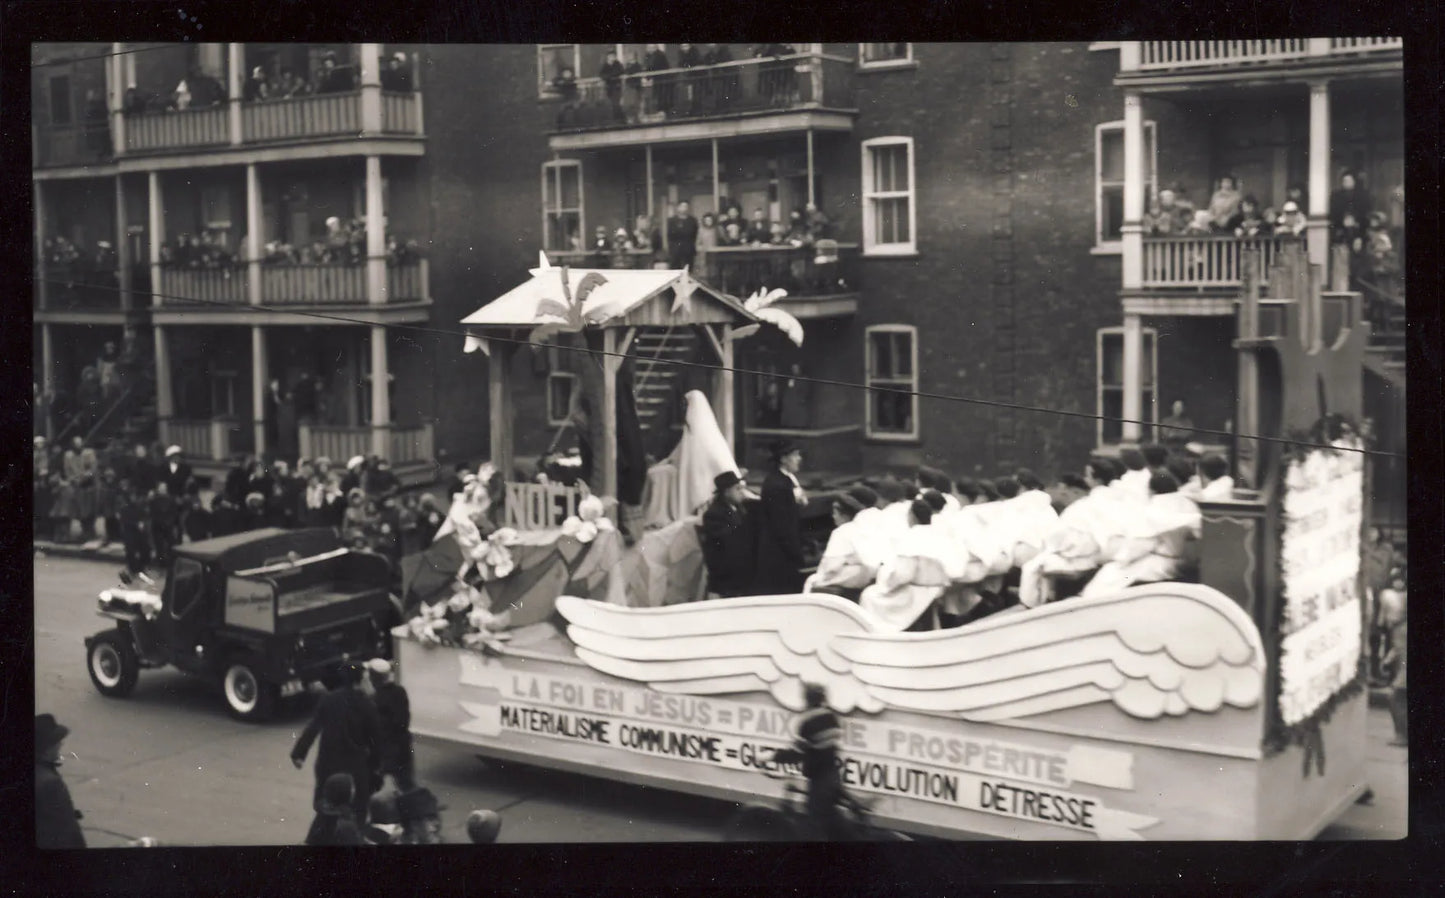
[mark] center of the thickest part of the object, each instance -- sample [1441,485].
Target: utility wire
[971,400]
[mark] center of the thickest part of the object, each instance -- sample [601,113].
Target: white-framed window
[1109,179]
[560,385]
[892,377]
[585,61]
[562,219]
[889,210]
[885,55]
[1110,392]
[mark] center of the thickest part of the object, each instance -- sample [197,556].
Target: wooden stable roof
[628,298]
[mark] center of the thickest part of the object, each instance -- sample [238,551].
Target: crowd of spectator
[200,90]
[67,264]
[149,500]
[344,244]
[699,80]
[77,409]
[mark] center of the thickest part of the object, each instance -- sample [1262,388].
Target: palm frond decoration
[761,305]
[555,316]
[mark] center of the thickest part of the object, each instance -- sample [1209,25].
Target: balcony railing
[413,443]
[404,443]
[1204,261]
[407,282]
[89,291]
[298,118]
[741,270]
[210,439]
[399,113]
[1155,55]
[313,284]
[177,130]
[208,286]
[803,81]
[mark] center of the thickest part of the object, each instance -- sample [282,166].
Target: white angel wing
[761,300]
[770,643]
[784,322]
[1164,648]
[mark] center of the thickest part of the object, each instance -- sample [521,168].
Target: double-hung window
[892,367]
[1110,392]
[885,55]
[1109,181]
[889,207]
[562,223]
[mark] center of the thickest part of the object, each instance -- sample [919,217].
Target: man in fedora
[349,727]
[57,822]
[780,546]
[727,546]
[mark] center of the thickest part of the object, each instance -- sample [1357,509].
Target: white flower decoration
[460,601]
[505,536]
[571,526]
[587,532]
[590,509]
[503,567]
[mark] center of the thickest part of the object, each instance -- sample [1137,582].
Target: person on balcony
[611,75]
[1349,200]
[335,79]
[565,86]
[621,247]
[690,99]
[662,85]
[599,251]
[1176,429]
[632,90]
[644,235]
[255,88]
[760,230]
[287,86]
[396,77]
[707,241]
[731,234]
[682,230]
[1292,221]
[1251,221]
[1167,216]
[1224,206]
[722,86]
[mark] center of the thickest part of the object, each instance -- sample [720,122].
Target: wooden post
[716,187]
[375,234]
[157,226]
[380,393]
[115,72]
[260,383]
[811,199]
[41,287]
[370,83]
[499,397]
[1131,230]
[607,457]
[1133,378]
[724,401]
[1318,223]
[164,406]
[651,208]
[253,234]
[235,74]
[122,250]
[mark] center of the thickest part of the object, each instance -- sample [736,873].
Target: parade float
[1227,708]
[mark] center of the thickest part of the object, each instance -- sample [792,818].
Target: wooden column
[370,59]
[499,376]
[1132,228]
[260,383]
[1318,226]
[380,392]
[723,401]
[235,74]
[1129,55]
[115,74]
[651,201]
[1133,377]
[47,363]
[123,260]
[165,408]
[811,198]
[607,457]
[253,233]
[416,90]
[157,235]
[1245,457]
[375,234]
[716,184]
[42,289]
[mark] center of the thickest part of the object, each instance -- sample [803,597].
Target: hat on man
[864,496]
[379,665]
[726,481]
[1290,206]
[849,505]
[355,462]
[781,448]
[172,450]
[48,733]
[399,57]
[40,441]
[483,827]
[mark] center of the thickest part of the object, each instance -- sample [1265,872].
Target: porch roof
[626,298]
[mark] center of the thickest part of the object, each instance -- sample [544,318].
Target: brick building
[984,200]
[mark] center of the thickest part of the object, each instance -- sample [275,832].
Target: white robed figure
[1075,544]
[912,579]
[680,483]
[854,552]
[1161,542]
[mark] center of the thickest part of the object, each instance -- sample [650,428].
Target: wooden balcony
[404,444]
[1157,56]
[313,285]
[400,113]
[61,145]
[301,118]
[180,130]
[750,88]
[1204,262]
[209,287]
[71,290]
[407,282]
[208,439]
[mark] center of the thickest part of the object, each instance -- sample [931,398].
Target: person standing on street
[57,822]
[727,547]
[780,549]
[393,709]
[347,724]
[335,822]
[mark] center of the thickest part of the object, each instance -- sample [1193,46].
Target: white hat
[40,441]
[355,462]
[1290,206]
[379,665]
[173,450]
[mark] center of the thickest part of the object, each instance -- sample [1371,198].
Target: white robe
[1133,485]
[851,560]
[679,484]
[910,581]
[1160,543]
[1071,546]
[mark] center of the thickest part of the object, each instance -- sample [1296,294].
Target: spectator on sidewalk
[196,519]
[135,531]
[57,822]
[108,495]
[165,523]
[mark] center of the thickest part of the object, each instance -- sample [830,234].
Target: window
[877,56]
[562,222]
[185,584]
[551,60]
[1110,400]
[892,366]
[560,385]
[888,208]
[216,207]
[60,100]
[1109,178]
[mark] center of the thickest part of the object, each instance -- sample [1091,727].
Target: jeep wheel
[248,696]
[114,667]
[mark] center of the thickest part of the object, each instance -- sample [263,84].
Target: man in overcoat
[57,822]
[780,538]
[728,549]
[349,728]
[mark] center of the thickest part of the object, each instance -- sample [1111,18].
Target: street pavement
[169,763]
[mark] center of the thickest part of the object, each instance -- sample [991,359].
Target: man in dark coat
[165,523]
[57,822]
[176,473]
[393,708]
[135,529]
[780,538]
[728,550]
[681,236]
[347,723]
